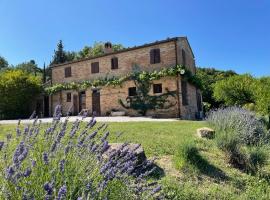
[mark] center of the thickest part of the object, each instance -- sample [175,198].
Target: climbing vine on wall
[117,81]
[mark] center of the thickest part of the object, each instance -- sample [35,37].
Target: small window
[157,88]
[184,93]
[132,91]
[95,67]
[67,72]
[114,63]
[69,97]
[154,56]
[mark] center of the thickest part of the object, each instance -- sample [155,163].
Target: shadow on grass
[206,168]
[158,173]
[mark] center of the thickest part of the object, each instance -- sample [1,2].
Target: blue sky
[231,34]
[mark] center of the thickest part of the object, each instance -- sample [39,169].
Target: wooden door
[75,104]
[82,101]
[96,102]
[46,106]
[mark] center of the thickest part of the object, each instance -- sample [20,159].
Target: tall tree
[3,63]
[208,77]
[59,54]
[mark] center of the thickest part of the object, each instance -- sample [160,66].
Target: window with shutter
[184,93]
[154,56]
[95,67]
[67,72]
[114,63]
[69,97]
[157,88]
[132,91]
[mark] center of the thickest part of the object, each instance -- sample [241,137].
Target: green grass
[210,178]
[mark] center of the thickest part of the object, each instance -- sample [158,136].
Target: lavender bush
[240,122]
[63,162]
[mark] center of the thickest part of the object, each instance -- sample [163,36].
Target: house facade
[148,57]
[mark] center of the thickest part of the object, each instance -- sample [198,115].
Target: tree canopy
[3,63]
[29,67]
[18,89]
[208,77]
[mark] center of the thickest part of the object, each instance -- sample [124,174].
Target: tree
[262,96]
[18,90]
[97,50]
[208,77]
[143,101]
[59,54]
[29,67]
[3,63]
[235,90]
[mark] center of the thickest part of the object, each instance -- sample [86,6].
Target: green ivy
[116,81]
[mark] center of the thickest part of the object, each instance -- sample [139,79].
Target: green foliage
[3,63]
[17,90]
[59,54]
[187,154]
[116,81]
[143,101]
[235,90]
[208,77]
[96,50]
[29,67]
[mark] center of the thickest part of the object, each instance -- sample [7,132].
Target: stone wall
[129,61]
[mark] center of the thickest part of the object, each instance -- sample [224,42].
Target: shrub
[241,135]
[18,89]
[64,162]
[243,124]
[256,157]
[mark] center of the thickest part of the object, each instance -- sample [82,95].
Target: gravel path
[99,119]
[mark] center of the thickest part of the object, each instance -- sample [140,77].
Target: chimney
[108,47]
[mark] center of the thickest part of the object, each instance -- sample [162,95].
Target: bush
[18,89]
[64,162]
[243,124]
[241,135]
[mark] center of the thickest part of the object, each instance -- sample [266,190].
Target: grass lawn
[217,180]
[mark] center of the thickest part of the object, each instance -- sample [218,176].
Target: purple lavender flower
[57,112]
[62,192]
[62,165]
[45,158]
[105,136]
[27,172]
[33,163]
[48,188]
[9,172]
[20,154]
[1,145]
[156,190]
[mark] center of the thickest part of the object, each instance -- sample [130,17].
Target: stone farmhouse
[148,57]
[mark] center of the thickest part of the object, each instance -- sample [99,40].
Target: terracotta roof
[123,50]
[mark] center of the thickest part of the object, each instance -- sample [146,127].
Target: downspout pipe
[177,82]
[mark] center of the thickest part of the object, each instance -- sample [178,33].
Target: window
[154,56]
[95,67]
[67,72]
[183,57]
[132,91]
[184,93]
[69,97]
[157,88]
[114,63]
